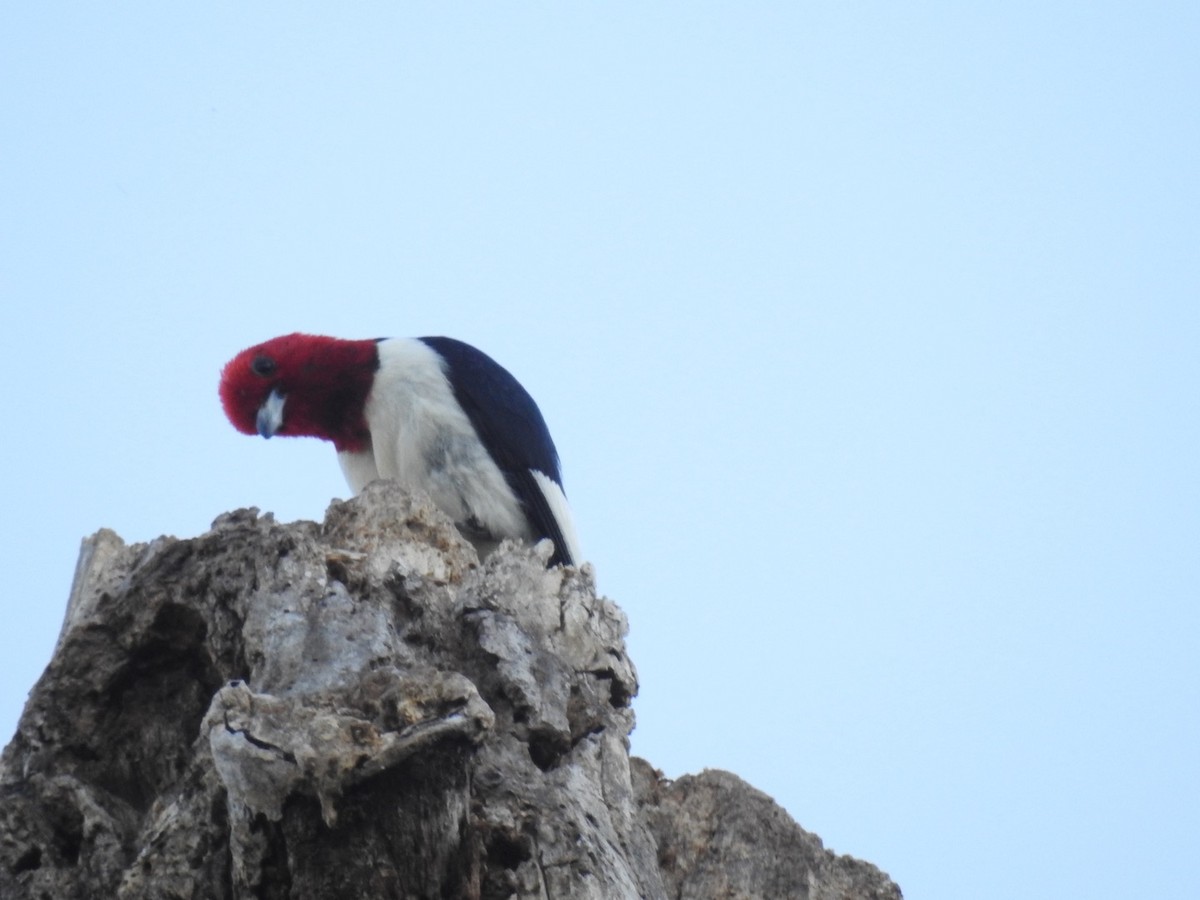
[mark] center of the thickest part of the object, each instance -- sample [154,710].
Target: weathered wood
[357,708]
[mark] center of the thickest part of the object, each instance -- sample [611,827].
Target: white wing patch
[559,508]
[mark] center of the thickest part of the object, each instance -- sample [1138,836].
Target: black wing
[511,428]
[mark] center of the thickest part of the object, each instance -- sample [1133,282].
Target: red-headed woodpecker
[431,413]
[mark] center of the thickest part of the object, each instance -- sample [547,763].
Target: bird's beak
[270,414]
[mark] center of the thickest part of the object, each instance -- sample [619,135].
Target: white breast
[421,438]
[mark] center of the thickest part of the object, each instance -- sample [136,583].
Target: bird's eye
[263,365]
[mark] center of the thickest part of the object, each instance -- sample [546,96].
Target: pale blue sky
[867,333]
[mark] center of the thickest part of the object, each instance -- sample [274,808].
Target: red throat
[324,381]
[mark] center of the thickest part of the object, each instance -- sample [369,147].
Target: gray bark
[360,708]
[719,837]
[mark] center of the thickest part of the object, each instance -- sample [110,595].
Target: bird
[432,413]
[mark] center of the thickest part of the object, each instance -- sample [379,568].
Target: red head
[302,385]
